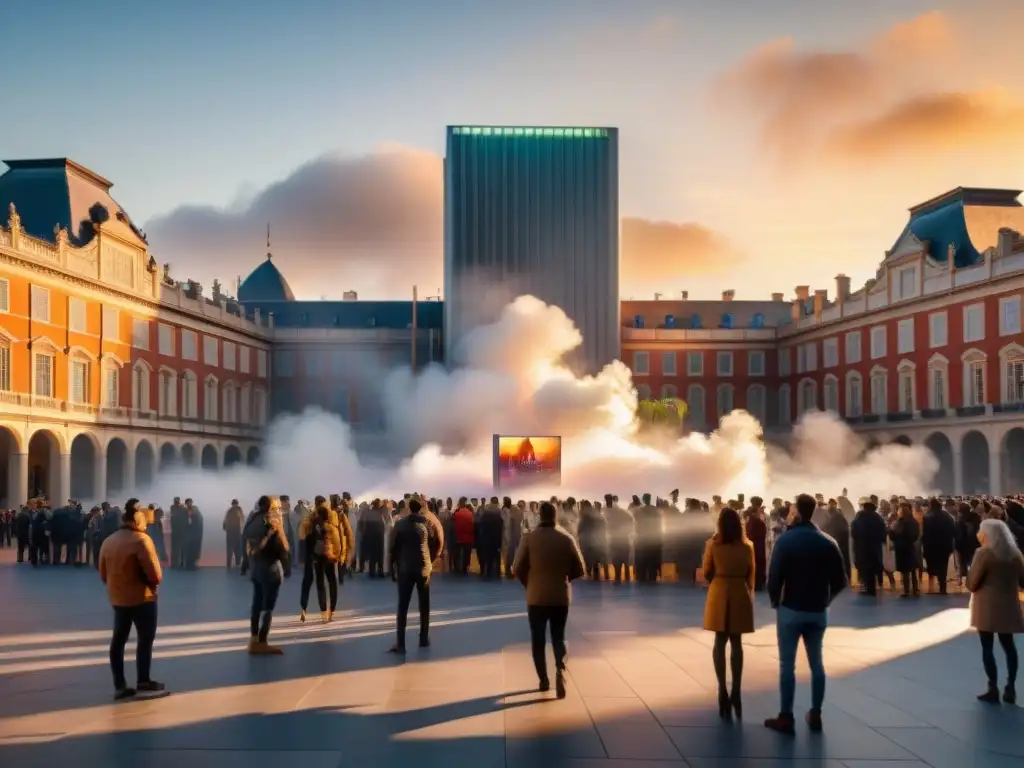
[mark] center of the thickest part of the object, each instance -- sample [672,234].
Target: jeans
[792,627]
[539,617]
[988,658]
[406,585]
[143,617]
[264,600]
[319,569]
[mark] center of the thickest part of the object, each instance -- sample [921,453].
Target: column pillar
[995,461]
[63,490]
[958,473]
[99,477]
[17,480]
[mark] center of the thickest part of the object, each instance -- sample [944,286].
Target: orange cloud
[797,95]
[935,122]
[656,251]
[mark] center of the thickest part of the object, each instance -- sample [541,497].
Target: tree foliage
[669,412]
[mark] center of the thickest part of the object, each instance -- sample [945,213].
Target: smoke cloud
[513,382]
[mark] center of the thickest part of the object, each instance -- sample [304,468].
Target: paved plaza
[903,677]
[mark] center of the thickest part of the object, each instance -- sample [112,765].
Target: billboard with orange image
[527,460]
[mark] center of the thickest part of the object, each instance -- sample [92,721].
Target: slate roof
[744,314]
[966,218]
[265,283]
[351,314]
[60,192]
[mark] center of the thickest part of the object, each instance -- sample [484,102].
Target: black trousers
[406,585]
[988,658]
[23,547]
[620,563]
[490,564]
[143,618]
[540,616]
[463,554]
[318,570]
[233,546]
[870,579]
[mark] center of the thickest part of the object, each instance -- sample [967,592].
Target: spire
[269,254]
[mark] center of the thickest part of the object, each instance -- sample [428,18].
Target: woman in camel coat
[729,611]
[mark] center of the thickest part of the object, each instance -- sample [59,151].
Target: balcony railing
[697,334]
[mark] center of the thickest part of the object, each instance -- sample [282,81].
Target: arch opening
[9,480]
[942,449]
[974,451]
[232,456]
[44,467]
[252,456]
[1013,461]
[168,456]
[209,458]
[188,455]
[84,460]
[145,464]
[117,467]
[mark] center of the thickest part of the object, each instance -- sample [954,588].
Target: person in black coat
[905,533]
[490,532]
[837,527]
[868,532]
[967,524]
[938,540]
[193,535]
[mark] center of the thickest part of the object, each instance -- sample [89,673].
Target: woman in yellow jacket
[324,549]
[729,611]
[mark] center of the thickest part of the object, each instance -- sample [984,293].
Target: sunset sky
[763,144]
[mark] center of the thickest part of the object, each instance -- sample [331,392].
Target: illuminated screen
[527,460]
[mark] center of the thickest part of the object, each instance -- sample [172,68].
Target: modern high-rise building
[533,210]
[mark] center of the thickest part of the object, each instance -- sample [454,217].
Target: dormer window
[695,321]
[726,321]
[757,321]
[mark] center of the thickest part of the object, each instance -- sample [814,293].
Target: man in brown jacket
[130,568]
[547,560]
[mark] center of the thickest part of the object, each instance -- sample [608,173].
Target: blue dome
[266,283]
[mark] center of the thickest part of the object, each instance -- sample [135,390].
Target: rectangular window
[974,323]
[905,336]
[801,358]
[284,363]
[228,352]
[5,295]
[209,350]
[140,333]
[784,362]
[975,394]
[314,364]
[785,412]
[111,320]
[832,394]
[5,367]
[878,342]
[855,398]
[1015,382]
[724,366]
[755,363]
[188,345]
[110,387]
[878,396]
[44,375]
[812,356]
[938,334]
[243,359]
[76,315]
[725,399]
[166,339]
[906,284]
[40,304]
[830,352]
[694,363]
[853,352]
[79,381]
[907,392]
[938,389]
[668,363]
[261,363]
[641,364]
[1009,315]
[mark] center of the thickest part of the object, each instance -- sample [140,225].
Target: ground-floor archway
[902,440]
[252,456]
[232,456]
[168,456]
[10,483]
[942,448]
[117,467]
[145,464]
[974,458]
[84,460]
[188,455]
[209,458]
[1013,461]
[44,467]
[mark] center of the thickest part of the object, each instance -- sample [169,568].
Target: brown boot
[265,649]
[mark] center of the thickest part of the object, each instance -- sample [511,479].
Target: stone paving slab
[903,675]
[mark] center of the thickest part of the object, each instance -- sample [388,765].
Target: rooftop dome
[265,283]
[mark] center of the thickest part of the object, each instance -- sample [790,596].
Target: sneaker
[560,685]
[265,649]
[781,724]
[123,693]
[149,686]
[813,720]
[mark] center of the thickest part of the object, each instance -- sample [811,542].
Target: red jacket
[465,526]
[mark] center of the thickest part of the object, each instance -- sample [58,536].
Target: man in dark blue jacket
[805,575]
[416,540]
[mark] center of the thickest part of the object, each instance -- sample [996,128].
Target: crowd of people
[802,553]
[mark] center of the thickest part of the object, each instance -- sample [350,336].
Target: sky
[763,145]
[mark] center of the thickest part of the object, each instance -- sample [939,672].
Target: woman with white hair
[994,580]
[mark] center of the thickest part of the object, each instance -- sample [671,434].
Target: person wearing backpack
[268,557]
[322,542]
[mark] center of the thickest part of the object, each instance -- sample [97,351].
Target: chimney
[685,295]
[842,287]
[820,297]
[1005,242]
[803,292]
[778,297]
[728,295]
[350,296]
